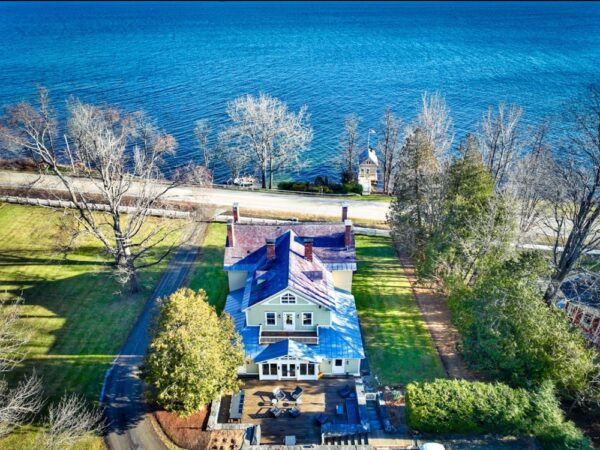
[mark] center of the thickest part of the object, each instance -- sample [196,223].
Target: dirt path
[434,309]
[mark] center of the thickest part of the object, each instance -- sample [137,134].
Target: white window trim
[267,322]
[311,319]
[289,301]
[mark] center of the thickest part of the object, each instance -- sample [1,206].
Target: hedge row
[305,186]
[459,406]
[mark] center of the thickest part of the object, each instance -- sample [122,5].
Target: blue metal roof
[290,269]
[290,348]
[341,340]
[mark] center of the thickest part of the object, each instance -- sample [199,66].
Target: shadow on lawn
[210,276]
[81,321]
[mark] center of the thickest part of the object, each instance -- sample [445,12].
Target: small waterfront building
[290,298]
[580,297]
[368,165]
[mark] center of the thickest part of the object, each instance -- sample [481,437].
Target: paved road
[284,203]
[126,411]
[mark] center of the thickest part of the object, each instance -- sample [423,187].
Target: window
[269,369]
[587,320]
[307,319]
[339,362]
[270,318]
[307,369]
[288,299]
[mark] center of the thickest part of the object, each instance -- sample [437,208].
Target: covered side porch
[293,360]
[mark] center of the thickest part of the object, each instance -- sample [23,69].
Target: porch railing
[306,337]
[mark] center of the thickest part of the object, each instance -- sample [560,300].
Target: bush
[510,335]
[565,436]
[353,187]
[321,185]
[460,406]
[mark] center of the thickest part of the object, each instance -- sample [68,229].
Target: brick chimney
[308,248]
[344,211]
[236,212]
[270,249]
[230,234]
[348,233]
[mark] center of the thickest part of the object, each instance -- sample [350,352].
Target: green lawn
[79,313]
[209,274]
[399,345]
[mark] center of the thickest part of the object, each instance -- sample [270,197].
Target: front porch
[318,397]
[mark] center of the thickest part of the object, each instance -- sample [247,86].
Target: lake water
[184,61]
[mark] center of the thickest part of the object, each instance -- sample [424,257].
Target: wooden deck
[319,396]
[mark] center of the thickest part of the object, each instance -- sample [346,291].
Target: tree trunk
[134,282]
[270,174]
[554,286]
[263,173]
[125,264]
[124,259]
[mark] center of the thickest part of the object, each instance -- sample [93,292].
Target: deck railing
[305,337]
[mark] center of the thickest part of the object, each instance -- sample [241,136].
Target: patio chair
[297,393]
[345,392]
[278,394]
[276,412]
[294,412]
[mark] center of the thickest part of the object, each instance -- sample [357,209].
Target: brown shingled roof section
[328,240]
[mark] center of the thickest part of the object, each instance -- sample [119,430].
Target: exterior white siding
[237,280]
[342,279]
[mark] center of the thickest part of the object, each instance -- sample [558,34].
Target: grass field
[79,312]
[399,345]
[209,274]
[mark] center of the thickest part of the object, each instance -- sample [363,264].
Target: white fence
[159,212]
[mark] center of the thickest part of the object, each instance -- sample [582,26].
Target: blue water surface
[184,61]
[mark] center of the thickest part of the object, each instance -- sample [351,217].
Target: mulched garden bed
[189,432]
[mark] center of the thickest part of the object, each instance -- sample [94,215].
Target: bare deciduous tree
[202,131]
[232,155]
[349,144]
[117,155]
[435,123]
[270,135]
[13,336]
[575,201]
[532,180]
[68,422]
[19,404]
[499,140]
[389,146]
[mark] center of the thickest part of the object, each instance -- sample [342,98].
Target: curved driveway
[126,412]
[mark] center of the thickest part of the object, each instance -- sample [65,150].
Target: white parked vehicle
[432,446]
